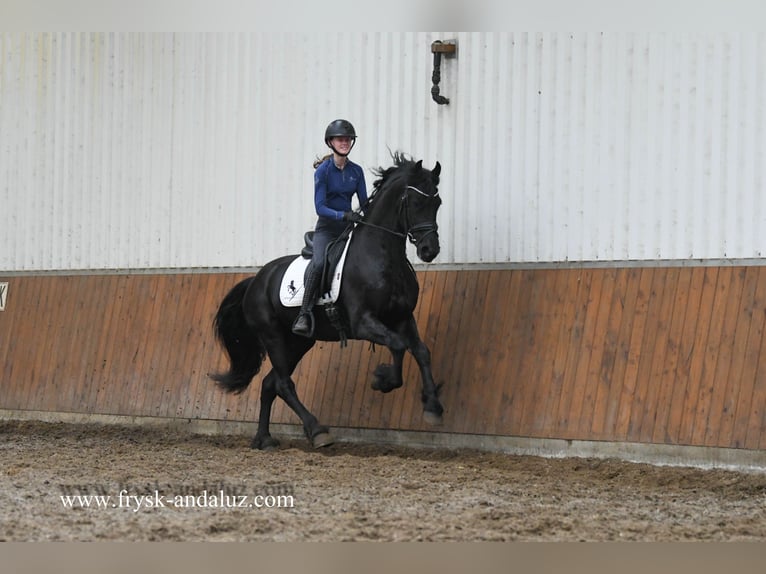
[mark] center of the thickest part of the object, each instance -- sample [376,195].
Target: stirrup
[309,330]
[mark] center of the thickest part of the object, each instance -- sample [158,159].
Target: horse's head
[405,202]
[420,203]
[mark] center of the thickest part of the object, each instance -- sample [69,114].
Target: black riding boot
[304,323]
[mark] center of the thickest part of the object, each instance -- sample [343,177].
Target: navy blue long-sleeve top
[334,188]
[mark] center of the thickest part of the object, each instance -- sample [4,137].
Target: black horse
[376,301]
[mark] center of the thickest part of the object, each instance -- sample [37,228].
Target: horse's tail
[242,344]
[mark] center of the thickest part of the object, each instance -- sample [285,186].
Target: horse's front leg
[389,377]
[407,338]
[432,407]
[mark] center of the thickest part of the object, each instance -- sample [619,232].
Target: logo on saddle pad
[291,288]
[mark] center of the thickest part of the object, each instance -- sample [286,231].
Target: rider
[336,180]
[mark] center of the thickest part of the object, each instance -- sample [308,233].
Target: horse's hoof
[432,418]
[322,439]
[267,444]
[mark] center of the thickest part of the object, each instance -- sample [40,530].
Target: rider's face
[342,143]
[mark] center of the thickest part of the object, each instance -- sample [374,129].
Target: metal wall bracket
[448,48]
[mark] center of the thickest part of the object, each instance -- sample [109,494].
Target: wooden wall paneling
[87,295]
[687,396]
[433,325]
[605,382]
[663,355]
[709,355]
[736,278]
[738,351]
[542,353]
[42,341]
[189,373]
[601,354]
[30,333]
[468,351]
[19,366]
[545,344]
[9,326]
[154,345]
[328,408]
[491,350]
[105,327]
[52,391]
[458,311]
[570,286]
[563,426]
[658,348]
[448,342]
[687,309]
[349,383]
[749,424]
[80,334]
[659,416]
[745,402]
[194,373]
[39,339]
[756,430]
[635,341]
[362,395]
[561,331]
[138,390]
[181,302]
[212,285]
[319,378]
[441,334]
[195,377]
[521,331]
[625,304]
[96,314]
[501,380]
[593,347]
[119,398]
[216,288]
[756,425]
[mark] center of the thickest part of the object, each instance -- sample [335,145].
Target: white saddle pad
[291,288]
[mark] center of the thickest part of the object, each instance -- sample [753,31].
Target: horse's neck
[386,212]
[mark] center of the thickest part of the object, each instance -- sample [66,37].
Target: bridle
[415,233]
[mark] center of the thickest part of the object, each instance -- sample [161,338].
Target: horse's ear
[436,171]
[419,165]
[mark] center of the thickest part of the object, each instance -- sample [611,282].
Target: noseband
[423,229]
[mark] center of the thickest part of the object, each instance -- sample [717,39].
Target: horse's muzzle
[428,248]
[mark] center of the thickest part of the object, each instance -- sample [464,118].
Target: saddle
[332,256]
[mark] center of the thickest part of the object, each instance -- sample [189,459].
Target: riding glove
[352,216]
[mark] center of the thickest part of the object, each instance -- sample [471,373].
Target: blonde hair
[319,160]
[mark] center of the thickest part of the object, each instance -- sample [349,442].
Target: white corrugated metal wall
[147,151]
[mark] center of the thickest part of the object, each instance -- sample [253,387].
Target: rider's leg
[324,233]
[304,323]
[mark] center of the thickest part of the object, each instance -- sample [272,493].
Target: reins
[427,228]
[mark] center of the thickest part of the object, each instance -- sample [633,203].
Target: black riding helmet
[339,128]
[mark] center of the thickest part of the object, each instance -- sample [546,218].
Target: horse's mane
[404,167]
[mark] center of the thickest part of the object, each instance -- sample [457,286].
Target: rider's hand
[352,216]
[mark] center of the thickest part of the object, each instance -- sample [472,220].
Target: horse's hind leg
[285,353]
[318,435]
[263,439]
